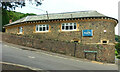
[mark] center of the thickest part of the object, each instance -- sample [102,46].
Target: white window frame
[20,30]
[68,24]
[44,25]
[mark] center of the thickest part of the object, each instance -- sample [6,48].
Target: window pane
[40,28]
[63,27]
[62,24]
[74,25]
[36,27]
[47,27]
[66,23]
[66,27]
[43,28]
[70,23]
[71,27]
[104,41]
[20,30]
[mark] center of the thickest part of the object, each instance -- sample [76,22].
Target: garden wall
[105,53]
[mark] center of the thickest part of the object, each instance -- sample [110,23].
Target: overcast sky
[106,7]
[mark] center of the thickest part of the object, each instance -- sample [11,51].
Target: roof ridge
[68,12]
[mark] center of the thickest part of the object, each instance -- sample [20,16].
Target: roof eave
[64,19]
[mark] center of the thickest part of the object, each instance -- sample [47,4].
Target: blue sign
[87,32]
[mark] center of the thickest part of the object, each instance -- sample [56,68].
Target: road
[48,61]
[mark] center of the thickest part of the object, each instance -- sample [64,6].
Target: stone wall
[98,28]
[59,41]
[105,53]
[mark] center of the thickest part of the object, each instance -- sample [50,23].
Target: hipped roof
[65,15]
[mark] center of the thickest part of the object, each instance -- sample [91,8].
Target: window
[20,29]
[105,41]
[42,28]
[69,26]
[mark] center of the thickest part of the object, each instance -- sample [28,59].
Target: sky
[106,7]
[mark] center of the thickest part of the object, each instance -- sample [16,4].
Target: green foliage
[98,46]
[7,15]
[12,5]
[117,38]
[117,46]
[118,56]
[116,53]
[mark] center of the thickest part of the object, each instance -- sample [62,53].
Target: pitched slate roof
[78,14]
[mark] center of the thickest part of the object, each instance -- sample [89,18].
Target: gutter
[46,20]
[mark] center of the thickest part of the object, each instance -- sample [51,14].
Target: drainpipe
[75,48]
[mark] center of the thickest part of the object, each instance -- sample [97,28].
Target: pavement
[42,60]
[10,66]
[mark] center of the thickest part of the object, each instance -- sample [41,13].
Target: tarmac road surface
[48,61]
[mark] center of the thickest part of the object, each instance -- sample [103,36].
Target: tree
[7,12]
[117,46]
[12,5]
[117,38]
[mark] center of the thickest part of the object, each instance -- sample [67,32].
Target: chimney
[10,21]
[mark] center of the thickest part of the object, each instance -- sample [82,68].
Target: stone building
[86,27]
